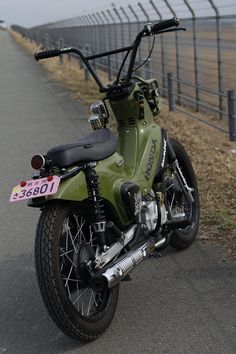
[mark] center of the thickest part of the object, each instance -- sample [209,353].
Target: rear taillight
[38,162]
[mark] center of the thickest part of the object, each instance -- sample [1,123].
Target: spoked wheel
[64,241]
[178,206]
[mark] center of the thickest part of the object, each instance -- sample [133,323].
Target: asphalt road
[183,302]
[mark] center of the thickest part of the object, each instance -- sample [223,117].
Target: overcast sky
[33,12]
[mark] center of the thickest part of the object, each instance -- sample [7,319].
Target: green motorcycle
[108,203]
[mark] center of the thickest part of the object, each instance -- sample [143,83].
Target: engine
[152,212]
[149,215]
[148,210]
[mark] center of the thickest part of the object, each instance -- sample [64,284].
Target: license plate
[35,188]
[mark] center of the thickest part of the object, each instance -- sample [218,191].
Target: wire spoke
[91,236]
[77,288]
[70,235]
[79,227]
[67,280]
[73,280]
[65,254]
[80,296]
[68,289]
[171,204]
[75,232]
[89,305]
[94,298]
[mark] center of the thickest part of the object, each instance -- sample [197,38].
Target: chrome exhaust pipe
[129,261]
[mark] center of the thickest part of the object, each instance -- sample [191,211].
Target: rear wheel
[63,238]
[177,204]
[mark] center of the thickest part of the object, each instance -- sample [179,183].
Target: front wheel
[78,310]
[178,205]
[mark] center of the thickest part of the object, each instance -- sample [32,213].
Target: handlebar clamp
[148,29]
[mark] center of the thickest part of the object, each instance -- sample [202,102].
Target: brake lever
[172,30]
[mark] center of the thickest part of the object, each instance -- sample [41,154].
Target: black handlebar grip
[174,22]
[47,54]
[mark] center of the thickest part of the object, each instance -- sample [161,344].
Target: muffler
[115,273]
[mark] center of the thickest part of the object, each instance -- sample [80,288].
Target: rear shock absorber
[97,212]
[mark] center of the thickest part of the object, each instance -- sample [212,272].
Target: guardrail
[202,77]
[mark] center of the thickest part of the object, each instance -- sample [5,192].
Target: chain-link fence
[195,68]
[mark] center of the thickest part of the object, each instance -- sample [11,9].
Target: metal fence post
[40,38]
[85,28]
[232,114]
[109,47]
[86,72]
[46,40]
[94,62]
[176,50]
[171,98]
[37,35]
[50,42]
[148,65]
[122,24]
[194,53]
[103,33]
[30,35]
[138,26]
[61,45]
[122,31]
[69,55]
[128,22]
[93,38]
[115,37]
[81,37]
[219,58]
[162,47]
[89,30]
[98,34]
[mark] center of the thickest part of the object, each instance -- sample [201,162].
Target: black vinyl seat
[96,146]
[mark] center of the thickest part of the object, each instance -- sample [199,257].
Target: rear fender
[72,189]
[75,190]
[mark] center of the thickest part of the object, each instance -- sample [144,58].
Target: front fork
[173,162]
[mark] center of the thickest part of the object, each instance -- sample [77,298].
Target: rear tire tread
[46,281]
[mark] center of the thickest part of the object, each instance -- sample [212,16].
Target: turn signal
[38,162]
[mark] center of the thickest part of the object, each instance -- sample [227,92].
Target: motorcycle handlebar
[147,31]
[174,22]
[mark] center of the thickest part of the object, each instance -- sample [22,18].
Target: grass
[210,150]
